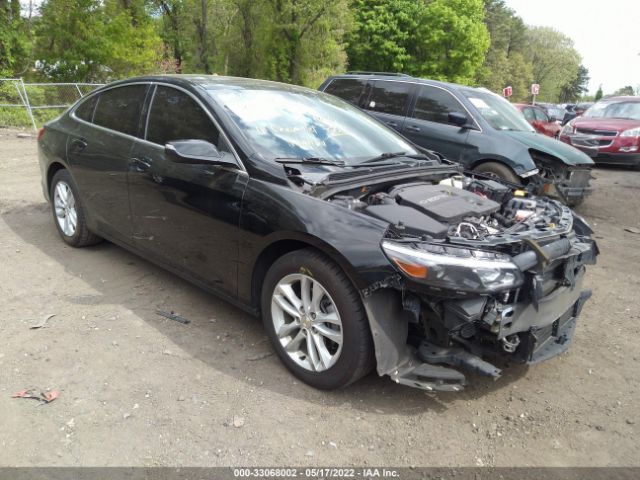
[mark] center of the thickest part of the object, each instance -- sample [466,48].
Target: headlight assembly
[633,132]
[454,268]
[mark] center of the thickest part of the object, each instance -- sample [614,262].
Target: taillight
[40,133]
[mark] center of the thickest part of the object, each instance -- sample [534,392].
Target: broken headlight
[454,268]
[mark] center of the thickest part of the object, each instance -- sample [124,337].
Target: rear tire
[351,358]
[498,170]
[68,211]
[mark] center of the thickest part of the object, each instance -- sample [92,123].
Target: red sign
[535,89]
[507,91]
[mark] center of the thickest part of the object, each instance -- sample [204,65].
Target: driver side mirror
[197,152]
[460,120]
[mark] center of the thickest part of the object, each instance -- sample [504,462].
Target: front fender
[272,213]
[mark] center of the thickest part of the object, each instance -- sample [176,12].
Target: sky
[605,33]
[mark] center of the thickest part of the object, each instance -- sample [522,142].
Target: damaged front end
[483,272]
[568,183]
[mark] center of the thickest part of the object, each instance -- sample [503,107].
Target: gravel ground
[138,389]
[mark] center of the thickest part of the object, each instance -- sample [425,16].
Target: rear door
[186,216]
[388,101]
[99,149]
[428,123]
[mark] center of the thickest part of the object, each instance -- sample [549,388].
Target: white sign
[535,89]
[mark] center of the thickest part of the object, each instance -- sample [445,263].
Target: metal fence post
[28,105]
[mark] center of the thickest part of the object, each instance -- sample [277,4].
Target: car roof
[621,98]
[206,81]
[402,77]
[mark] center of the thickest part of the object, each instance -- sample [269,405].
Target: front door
[428,123]
[99,150]
[186,216]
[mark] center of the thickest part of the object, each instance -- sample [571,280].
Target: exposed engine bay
[483,271]
[461,210]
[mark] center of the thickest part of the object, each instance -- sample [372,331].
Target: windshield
[297,123]
[500,114]
[626,110]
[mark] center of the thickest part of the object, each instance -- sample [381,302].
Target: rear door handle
[413,128]
[78,144]
[140,164]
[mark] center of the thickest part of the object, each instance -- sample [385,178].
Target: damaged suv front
[480,272]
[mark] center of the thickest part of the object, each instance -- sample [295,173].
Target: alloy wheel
[65,207]
[307,322]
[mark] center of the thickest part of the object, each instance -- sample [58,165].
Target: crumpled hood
[568,154]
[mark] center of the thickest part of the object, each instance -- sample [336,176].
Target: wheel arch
[290,243]
[54,168]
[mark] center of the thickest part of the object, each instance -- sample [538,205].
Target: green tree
[627,90]
[507,60]
[91,40]
[574,90]
[452,40]
[554,59]
[598,93]
[383,38]
[15,42]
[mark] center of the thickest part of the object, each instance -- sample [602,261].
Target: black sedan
[358,250]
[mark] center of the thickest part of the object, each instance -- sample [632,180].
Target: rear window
[389,97]
[119,108]
[348,89]
[85,110]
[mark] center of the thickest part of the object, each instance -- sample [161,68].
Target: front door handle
[392,124]
[140,164]
[413,128]
[78,144]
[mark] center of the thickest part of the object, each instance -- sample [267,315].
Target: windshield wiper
[311,160]
[390,155]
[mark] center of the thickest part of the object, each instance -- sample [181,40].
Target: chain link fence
[32,104]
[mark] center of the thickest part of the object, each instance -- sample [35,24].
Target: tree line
[474,42]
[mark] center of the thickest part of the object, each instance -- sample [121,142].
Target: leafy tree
[507,61]
[598,93]
[383,38]
[573,90]
[91,40]
[452,40]
[627,90]
[554,59]
[15,42]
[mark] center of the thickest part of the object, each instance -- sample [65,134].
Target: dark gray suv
[471,126]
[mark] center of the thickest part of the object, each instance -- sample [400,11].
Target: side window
[119,108]
[435,104]
[528,114]
[540,115]
[348,89]
[86,109]
[174,115]
[389,97]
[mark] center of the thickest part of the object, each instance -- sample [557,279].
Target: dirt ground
[138,389]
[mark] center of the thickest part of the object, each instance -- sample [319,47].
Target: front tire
[497,170]
[315,320]
[68,212]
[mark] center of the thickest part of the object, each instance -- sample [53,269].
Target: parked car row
[358,250]
[472,127]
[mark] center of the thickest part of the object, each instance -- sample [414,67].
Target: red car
[609,131]
[539,120]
